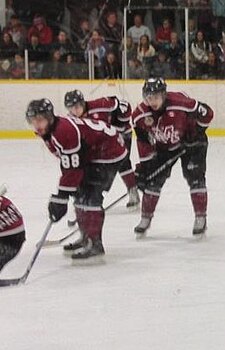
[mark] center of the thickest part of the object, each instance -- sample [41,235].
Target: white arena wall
[15,96]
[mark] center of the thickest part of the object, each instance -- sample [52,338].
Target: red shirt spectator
[163,33]
[40,27]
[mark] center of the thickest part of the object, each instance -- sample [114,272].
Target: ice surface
[164,293]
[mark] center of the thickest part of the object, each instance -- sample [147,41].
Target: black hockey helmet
[73,97]
[153,86]
[40,107]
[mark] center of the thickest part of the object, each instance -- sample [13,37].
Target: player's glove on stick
[57,207]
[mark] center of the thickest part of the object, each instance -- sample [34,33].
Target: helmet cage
[72,98]
[153,86]
[42,107]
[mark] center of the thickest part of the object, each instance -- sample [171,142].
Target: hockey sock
[149,202]
[90,222]
[199,199]
[128,178]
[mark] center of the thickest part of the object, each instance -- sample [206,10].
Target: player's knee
[195,183]
[90,199]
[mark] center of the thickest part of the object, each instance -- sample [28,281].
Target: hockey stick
[166,164]
[61,240]
[23,278]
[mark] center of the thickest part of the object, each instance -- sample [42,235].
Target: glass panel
[207,44]
[75,28]
[57,65]
[155,42]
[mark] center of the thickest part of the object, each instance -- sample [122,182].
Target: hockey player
[114,112]
[165,123]
[12,231]
[90,155]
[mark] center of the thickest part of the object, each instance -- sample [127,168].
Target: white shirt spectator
[138,30]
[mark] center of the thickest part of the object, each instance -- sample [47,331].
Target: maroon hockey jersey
[80,141]
[167,129]
[112,111]
[11,221]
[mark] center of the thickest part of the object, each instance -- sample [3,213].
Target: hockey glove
[57,207]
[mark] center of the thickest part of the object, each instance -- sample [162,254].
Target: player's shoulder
[67,130]
[180,100]
[66,124]
[103,104]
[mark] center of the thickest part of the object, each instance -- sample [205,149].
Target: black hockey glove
[57,207]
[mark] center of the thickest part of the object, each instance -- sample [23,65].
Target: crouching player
[12,232]
[90,154]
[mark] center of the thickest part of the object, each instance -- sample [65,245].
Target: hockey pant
[10,247]
[126,171]
[193,164]
[89,198]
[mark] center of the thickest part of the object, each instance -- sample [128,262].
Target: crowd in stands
[59,37]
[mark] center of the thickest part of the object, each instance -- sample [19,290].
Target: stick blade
[10,282]
[50,244]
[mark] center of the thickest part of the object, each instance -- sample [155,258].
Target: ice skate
[199,226]
[134,198]
[69,249]
[92,251]
[141,229]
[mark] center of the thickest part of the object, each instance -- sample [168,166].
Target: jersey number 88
[70,161]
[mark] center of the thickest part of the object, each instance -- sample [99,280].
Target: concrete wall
[15,96]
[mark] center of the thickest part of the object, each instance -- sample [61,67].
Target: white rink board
[16,95]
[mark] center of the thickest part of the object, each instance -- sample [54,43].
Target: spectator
[220,49]
[161,67]
[163,34]
[83,34]
[111,68]
[62,44]
[211,69]
[205,18]
[17,68]
[192,31]
[9,10]
[145,49]
[131,48]
[138,29]
[72,69]
[112,31]
[135,69]
[17,31]
[97,45]
[36,51]
[200,49]
[54,68]
[96,14]
[5,69]
[175,54]
[220,54]
[8,48]
[161,11]
[40,27]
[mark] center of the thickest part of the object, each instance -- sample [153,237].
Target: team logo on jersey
[149,121]
[171,114]
[95,116]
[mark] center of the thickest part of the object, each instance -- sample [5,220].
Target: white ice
[164,293]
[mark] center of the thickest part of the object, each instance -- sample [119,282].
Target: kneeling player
[12,232]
